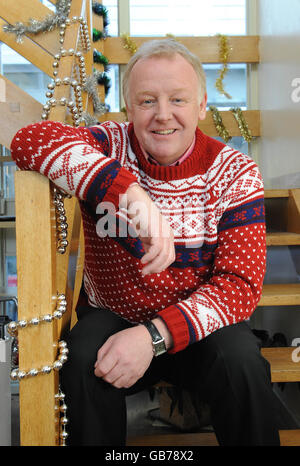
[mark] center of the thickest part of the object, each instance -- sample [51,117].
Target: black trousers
[226,369]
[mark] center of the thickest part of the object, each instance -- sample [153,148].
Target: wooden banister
[243,49]
[43,273]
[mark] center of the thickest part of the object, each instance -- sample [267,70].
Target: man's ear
[202,108]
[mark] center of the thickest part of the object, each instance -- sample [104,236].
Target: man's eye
[148,101]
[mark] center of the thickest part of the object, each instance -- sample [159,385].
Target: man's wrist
[157,340]
[164,331]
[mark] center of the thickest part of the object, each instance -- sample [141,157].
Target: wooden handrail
[243,49]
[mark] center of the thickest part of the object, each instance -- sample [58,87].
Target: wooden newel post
[37,297]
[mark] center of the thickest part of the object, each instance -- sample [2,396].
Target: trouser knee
[91,331]
[234,362]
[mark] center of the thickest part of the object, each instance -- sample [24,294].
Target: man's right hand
[152,228]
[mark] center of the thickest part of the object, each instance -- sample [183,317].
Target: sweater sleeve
[73,159]
[233,289]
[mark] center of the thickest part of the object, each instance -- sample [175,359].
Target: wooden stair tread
[280,295]
[276,193]
[283,368]
[279,193]
[288,438]
[175,439]
[284,238]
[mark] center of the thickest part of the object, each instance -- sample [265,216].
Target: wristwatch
[158,342]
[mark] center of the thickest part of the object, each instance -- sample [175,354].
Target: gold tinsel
[221,130]
[224,51]
[242,124]
[129,44]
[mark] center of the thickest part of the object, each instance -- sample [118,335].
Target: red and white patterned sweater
[213,201]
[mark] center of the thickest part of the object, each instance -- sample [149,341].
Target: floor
[142,414]
[15,421]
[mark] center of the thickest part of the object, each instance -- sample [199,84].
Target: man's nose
[163,111]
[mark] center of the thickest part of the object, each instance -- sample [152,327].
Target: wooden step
[283,239]
[280,295]
[276,193]
[288,438]
[284,365]
[175,439]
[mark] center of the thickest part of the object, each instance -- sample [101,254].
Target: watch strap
[158,342]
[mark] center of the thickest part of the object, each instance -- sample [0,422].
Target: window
[112,8]
[187,18]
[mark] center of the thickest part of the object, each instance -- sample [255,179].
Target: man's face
[164,106]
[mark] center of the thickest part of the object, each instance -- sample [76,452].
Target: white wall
[279,29]
[279,151]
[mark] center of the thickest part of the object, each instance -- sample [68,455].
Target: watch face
[159,347]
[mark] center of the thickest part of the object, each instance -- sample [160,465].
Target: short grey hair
[164,48]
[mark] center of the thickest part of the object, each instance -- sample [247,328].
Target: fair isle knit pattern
[213,201]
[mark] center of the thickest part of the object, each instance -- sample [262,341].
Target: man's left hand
[124,357]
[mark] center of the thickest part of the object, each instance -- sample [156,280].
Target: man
[168,299]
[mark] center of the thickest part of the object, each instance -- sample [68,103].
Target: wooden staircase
[283,229]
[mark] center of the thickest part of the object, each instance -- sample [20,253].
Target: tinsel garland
[91,89]
[101,10]
[129,44]
[223,132]
[224,51]
[98,35]
[219,125]
[34,26]
[242,124]
[103,80]
[99,58]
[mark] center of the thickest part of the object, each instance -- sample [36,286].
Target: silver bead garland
[75,108]
[84,31]
[61,220]
[17,374]
[63,420]
[61,308]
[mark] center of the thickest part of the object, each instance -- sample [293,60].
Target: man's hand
[125,356]
[152,228]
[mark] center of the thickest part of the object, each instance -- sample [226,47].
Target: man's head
[164,89]
[166,48]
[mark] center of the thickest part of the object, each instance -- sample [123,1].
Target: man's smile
[164,132]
